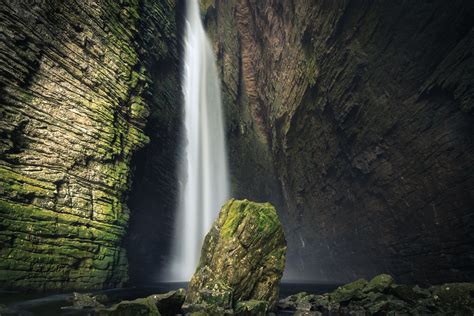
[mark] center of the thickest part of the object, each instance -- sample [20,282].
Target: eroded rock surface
[363,112]
[75,86]
[242,259]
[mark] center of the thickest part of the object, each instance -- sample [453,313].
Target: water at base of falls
[203,171]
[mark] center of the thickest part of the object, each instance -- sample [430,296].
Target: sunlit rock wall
[363,112]
[74,83]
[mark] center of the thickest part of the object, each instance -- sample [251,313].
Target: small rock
[379,283]
[82,301]
[348,291]
[307,313]
[409,293]
[170,303]
[251,308]
[154,305]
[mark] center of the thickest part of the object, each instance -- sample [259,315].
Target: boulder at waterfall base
[242,259]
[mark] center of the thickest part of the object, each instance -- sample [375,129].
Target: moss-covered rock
[153,305]
[139,307]
[348,291]
[251,308]
[381,296]
[73,106]
[242,258]
[379,283]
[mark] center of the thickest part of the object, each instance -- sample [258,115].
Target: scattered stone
[381,296]
[242,259]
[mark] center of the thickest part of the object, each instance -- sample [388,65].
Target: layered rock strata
[363,112]
[73,81]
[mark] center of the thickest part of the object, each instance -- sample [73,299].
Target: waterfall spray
[203,171]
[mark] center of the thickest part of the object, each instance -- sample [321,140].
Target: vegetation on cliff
[74,79]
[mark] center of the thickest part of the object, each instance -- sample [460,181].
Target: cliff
[76,90]
[361,112]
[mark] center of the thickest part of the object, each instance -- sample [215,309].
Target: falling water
[203,173]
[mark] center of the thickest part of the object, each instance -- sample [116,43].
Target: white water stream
[203,171]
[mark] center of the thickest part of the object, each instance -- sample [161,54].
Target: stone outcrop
[75,94]
[363,114]
[381,296]
[242,259]
[153,305]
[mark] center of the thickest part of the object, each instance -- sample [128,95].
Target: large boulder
[242,258]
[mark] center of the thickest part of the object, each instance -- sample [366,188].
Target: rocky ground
[379,296]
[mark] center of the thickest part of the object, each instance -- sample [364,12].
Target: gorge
[353,118]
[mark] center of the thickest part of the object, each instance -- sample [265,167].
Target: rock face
[381,296]
[152,199]
[363,114]
[242,259]
[75,95]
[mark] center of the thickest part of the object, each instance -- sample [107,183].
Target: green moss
[243,254]
[234,216]
[142,306]
[22,183]
[348,291]
[252,307]
[379,283]
[61,225]
[263,214]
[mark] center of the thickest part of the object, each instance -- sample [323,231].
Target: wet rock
[381,296]
[251,308]
[291,302]
[242,258]
[307,313]
[158,304]
[348,291]
[379,283]
[81,301]
[85,300]
[140,306]
[409,293]
[455,298]
[170,303]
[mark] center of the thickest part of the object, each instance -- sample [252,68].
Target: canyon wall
[77,86]
[358,117]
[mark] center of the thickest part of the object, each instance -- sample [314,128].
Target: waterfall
[203,172]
